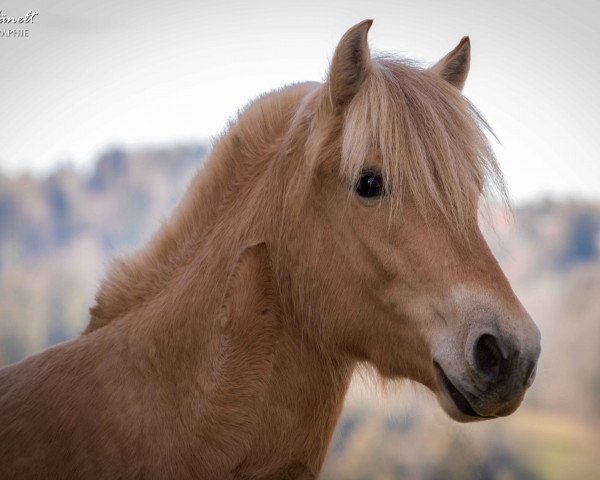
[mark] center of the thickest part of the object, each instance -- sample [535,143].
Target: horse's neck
[260,404]
[274,406]
[265,399]
[301,407]
[168,303]
[268,398]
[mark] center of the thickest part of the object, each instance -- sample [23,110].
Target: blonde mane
[431,140]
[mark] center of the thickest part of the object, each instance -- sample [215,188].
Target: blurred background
[108,108]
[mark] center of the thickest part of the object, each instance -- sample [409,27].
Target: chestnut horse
[332,224]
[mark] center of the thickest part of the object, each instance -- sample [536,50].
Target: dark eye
[370,185]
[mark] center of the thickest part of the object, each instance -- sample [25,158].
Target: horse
[334,224]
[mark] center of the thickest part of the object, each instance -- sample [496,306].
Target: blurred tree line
[58,234]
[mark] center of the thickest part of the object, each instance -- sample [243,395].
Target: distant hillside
[58,234]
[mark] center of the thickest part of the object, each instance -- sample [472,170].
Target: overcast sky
[94,74]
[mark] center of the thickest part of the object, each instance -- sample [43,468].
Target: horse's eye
[370,185]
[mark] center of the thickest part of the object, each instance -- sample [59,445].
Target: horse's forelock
[430,141]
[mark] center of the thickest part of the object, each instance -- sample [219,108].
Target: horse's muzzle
[493,382]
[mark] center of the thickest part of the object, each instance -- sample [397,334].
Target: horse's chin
[456,414]
[454,402]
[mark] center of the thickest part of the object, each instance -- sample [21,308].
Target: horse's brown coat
[225,347]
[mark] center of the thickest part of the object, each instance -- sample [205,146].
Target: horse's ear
[454,67]
[350,64]
[250,302]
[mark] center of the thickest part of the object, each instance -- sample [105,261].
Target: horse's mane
[432,141]
[252,137]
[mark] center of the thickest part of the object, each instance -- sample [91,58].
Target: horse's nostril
[489,356]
